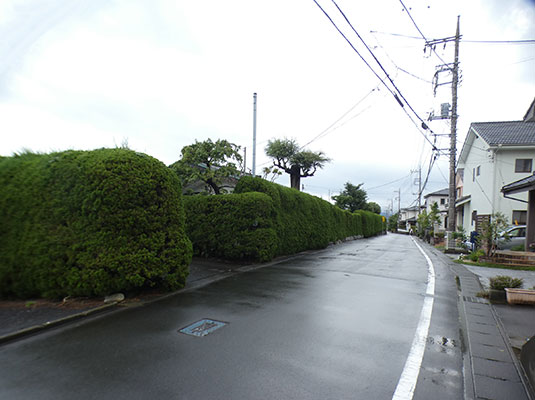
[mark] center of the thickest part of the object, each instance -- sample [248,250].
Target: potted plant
[498,285]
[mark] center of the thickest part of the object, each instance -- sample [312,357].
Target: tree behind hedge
[85,223]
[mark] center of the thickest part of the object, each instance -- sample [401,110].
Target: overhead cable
[380,65]
[326,130]
[356,51]
[420,32]
[394,93]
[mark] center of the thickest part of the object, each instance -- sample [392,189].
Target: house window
[478,170]
[520,217]
[442,202]
[523,165]
[473,174]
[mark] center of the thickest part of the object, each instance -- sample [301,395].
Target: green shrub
[440,235]
[305,222]
[262,220]
[474,256]
[86,223]
[501,282]
[233,226]
[372,223]
[519,247]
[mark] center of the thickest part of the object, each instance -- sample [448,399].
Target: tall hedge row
[262,220]
[372,223]
[232,226]
[303,221]
[84,223]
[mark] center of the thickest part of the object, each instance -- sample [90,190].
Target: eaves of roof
[463,200]
[522,185]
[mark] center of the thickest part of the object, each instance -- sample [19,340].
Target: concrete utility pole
[454,68]
[244,159]
[453,141]
[419,170]
[254,134]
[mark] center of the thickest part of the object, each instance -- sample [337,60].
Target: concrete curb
[51,324]
[527,358]
[113,306]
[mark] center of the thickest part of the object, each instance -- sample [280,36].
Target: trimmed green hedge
[372,224]
[85,223]
[303,221]
[288,221]
[232,226]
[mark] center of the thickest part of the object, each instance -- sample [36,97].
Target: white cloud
[162,75]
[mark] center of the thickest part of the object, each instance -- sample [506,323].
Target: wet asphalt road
[334,324]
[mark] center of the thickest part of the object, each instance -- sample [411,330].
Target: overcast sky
[158,75]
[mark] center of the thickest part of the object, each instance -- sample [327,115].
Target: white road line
[411,370]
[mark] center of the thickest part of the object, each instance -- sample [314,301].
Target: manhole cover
[202,327]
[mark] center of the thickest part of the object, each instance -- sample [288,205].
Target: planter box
[520,296]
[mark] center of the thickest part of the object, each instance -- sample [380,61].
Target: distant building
[441,198]
[408,218]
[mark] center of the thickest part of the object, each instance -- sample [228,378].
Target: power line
[423,124]
[325,131]
[397,34]
[523,41]
[420,32]
[356,51]
[386,184]
[519,41]
[412,19]
[398,68]
[380,65]
[414,76]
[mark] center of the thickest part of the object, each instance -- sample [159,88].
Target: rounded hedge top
[89,223]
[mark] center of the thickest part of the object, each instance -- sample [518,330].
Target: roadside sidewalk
[23,318]
[494,335]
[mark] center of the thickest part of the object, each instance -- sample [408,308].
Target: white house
[441,198]
[493,155]
[408,217]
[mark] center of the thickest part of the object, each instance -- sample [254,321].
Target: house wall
[496,169]
[407,214]
[443,208]
[505,167]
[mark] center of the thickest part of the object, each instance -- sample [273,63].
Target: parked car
[512,237]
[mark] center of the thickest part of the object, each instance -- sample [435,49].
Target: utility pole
[419,170]
[254,134]
[453,141]
[454,68]
[399,205]
[244,160]
[399,201]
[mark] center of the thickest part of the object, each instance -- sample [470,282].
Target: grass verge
[491,265]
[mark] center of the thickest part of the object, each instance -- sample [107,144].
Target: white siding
[496,169]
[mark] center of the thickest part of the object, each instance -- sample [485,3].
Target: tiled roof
[513,133]
[443,192]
